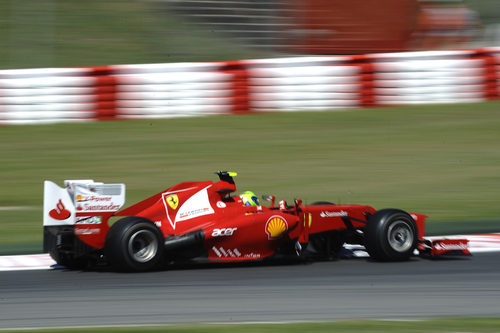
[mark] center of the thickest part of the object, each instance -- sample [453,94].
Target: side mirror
[269,198]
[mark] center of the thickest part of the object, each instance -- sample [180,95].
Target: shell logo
[276,226]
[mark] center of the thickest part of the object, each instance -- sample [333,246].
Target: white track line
[26,262]
[477,244]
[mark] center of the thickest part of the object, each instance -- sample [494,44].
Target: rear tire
[134,244]
[391,235]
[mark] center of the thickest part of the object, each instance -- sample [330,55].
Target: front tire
[134,244]
[391,235]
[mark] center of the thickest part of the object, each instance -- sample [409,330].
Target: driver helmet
[249,198]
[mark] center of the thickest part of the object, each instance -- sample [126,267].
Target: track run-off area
[39,294]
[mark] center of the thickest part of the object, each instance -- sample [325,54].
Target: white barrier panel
[478,71]
[167,67]
[43,117]
[43,72]
[427,65]
[429,77]
[407,101]
[21,92]
[173,95]
[47,95]
[178,77]
[176,90]
[306,71]
[302,96]
[220,85]
[319,88]
[56,107]
[51,81]
[286,81]
[48,99]
[470,80]
[289,88]
[423,90]
[433,96]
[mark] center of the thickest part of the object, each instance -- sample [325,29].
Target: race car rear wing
[80,199]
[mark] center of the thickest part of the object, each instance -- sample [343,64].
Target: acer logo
[60,212]
[223,232]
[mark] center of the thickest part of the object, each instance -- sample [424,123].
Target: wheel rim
[400,236]
[143,246]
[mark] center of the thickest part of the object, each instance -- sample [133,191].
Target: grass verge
[70,33]
[469,325]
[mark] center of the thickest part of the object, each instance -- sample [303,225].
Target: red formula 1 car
[202,220]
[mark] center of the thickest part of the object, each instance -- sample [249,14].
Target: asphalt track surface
[343,289]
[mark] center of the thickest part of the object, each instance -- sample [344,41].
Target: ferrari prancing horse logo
[172,201]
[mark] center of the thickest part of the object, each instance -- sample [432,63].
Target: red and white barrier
[48,95]
[168,90]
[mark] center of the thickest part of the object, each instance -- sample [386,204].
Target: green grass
[59,33]
[469,325]
[66,33]
[443,161]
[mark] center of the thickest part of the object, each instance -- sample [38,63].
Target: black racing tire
[391,235]
[134,244]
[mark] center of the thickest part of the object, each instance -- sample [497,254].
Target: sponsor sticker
[87,231]
[223,232]
[86,207]
[88,220]
[252,255]
[172,201]
[228,253]
[451,245]
[333,214]
[83,198]
[276,226]
[59,212]
[195,206]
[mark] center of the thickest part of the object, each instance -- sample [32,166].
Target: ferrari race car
[204,221]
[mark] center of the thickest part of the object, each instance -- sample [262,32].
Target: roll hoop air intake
[194,239]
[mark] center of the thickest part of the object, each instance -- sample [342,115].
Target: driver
[249,199]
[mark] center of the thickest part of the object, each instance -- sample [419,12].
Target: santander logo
[60,212]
